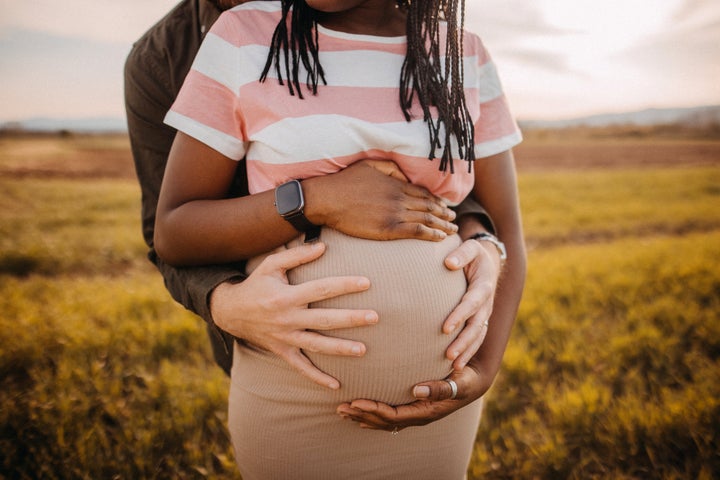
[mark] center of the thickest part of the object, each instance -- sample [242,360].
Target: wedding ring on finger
[395,430]
[453,388]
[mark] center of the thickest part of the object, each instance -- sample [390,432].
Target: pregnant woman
[308,87]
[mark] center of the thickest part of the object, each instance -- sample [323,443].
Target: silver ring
[395,431]
[486,324]
[453,388]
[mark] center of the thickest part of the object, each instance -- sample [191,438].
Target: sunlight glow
[602,28]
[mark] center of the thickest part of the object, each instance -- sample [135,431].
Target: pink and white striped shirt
[355,116]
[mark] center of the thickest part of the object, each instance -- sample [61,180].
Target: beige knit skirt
[283,426]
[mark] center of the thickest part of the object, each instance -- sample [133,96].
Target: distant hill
[693,117]
[77,125]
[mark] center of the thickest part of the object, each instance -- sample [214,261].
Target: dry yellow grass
[612,370]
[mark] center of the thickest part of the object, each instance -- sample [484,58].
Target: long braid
[299,45]
[438,83]
[436,80]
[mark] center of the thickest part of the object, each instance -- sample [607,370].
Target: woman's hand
[434,402]
[482,266]
[372,199]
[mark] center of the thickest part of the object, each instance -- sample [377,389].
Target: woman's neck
[372,17]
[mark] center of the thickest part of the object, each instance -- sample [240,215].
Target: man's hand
[268,312]
[434,402]
[372,199]
[482,270]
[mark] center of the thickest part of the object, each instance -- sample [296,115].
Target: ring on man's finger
[395,430]
[453,388]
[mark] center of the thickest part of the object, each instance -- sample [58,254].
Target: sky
[557,58]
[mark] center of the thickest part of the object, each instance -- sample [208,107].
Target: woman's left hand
[434,402]
[482,264]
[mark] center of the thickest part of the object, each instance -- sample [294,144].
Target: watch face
[289,198]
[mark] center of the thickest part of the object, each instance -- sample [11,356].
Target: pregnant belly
[412,292]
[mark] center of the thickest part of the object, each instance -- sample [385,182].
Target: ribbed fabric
[285,426]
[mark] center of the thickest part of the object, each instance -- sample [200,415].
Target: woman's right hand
[372,199]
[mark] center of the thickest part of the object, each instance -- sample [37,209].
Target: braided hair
[435,80]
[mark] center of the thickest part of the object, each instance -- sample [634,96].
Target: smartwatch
[290,202]
[488,237]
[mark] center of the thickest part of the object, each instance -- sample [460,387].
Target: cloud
[693,10]
[692,37]
[93,20]
[512,29]
[536,59]
[46,74]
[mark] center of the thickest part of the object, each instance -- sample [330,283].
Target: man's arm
[149,92]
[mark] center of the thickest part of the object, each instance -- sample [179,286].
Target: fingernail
[371,317]
[356,350]
[421,391]
[450,330]
[334,385]
[454,261]
[363,283]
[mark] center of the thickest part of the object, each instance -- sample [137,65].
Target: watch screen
[288,198]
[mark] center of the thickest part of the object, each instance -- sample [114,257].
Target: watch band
[488,237]
[302,224]
[290,204]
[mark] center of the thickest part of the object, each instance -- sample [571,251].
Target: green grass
[612,370]
[64,226]
[614,367]
[103,377]
[581,206]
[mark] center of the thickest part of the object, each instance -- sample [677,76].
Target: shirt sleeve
[496,129]
[207,106]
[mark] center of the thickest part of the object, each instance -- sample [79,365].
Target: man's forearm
[471,209]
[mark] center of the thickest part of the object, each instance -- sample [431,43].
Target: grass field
[613,370]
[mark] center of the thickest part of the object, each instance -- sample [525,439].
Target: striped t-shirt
[357,115]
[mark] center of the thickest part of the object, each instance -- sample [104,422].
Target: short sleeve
[495,129]
[207,107]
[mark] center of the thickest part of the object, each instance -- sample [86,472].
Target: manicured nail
[421,391]
[356,350]
[333,385]
[363,283]
[371,317]
[453,261]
